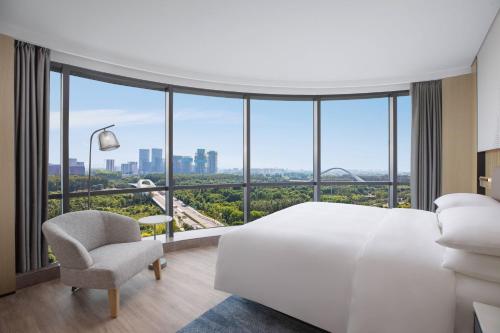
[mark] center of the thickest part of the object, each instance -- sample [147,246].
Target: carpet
[237,314]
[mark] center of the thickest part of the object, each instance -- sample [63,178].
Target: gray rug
[240,315]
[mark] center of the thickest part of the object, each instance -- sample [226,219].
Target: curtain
[426,144]
[32,74]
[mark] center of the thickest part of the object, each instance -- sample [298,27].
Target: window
[207,140]
[355,140]
[139,119]
[404,151]
[281,140]
[54,169]
[208,184]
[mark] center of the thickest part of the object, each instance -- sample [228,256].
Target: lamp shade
[108,141]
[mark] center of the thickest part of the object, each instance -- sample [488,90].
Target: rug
[237,314]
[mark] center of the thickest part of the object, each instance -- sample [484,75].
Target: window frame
[169,90]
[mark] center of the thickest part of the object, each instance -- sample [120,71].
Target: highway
[186,214]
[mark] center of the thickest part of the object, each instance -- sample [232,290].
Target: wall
[488,83]
[7,173]
[459,134]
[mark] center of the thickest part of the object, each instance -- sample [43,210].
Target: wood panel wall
[7,171]
[459,158]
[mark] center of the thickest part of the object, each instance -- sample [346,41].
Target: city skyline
[281,131]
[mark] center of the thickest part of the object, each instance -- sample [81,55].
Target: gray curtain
[426,144]
[32,74]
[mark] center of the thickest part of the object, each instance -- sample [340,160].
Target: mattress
[343,268]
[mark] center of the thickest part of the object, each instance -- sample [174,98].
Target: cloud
[102,117]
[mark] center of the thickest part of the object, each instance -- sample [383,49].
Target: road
[186,214]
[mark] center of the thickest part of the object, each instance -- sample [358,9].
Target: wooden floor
[146,305]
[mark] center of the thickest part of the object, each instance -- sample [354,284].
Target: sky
[354,132]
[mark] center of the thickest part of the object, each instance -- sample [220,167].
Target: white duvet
[343,268]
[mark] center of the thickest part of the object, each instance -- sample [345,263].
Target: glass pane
[281,140]
[208,139]
[139,119]
[404,196]
[355,140]
[54,170]
[404,150]
[134,205]
[208,208]
[367,195]
[54,208]
[267,200]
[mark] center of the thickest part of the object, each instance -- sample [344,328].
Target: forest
[224,205]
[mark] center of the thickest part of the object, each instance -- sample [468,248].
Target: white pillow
[478,266]
[473,229]
[463,199]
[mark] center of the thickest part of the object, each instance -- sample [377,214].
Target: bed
[348,268]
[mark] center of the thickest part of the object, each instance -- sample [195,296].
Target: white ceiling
[258,45]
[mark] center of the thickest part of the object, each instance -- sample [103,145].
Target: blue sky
[354,132]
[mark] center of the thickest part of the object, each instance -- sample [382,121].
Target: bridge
[186,215]
[354,177]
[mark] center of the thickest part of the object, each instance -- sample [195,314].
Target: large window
[139,119]
[229,158]
[281,140]
[54,169]
[208,139]
[355,150]
[404,151]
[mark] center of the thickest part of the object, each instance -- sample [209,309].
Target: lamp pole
[90,162]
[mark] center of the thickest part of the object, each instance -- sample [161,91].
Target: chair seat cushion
[113,264]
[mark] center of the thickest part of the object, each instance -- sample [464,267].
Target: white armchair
[100,250]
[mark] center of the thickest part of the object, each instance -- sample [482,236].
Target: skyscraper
[133,168]
[177,164]
[186,164]
[200,161]
[110,165]
[212,162]
[144,163]
[157,160]
[125,169]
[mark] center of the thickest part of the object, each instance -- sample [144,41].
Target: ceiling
[267,46]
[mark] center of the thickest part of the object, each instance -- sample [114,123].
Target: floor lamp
[107,142]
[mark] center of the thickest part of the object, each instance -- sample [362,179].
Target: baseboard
[44,274]
[191,243]
[8,294]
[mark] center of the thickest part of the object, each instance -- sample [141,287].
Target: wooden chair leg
[114,301]
[157,269]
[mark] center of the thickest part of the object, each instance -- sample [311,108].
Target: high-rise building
[200,161]
[144,163]
[157,160]
[212,162]
[125,169]
[110,165]
[75,167]
[54,170]
[186,164]
[129,168]
[177,164]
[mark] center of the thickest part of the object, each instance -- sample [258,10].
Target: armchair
[100,250]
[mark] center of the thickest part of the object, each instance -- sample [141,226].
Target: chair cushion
[113,264]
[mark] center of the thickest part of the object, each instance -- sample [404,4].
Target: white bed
[343,268]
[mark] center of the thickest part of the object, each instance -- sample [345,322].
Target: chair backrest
[87,227]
